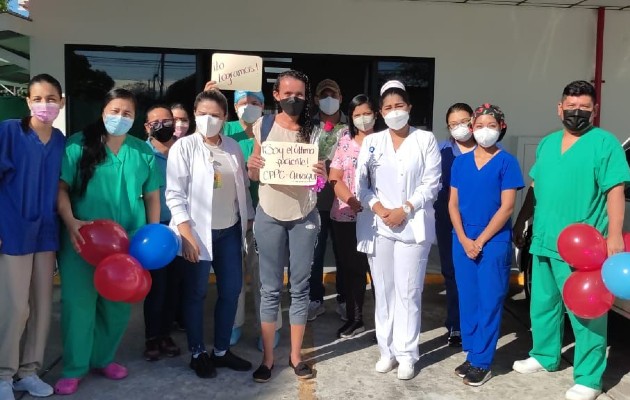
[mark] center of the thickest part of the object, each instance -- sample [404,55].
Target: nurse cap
[392,84]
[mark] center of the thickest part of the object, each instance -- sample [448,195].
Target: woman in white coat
[207,193]
[399,176]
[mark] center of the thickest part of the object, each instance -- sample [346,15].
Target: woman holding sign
[207,193]
[398,180]
[286,221]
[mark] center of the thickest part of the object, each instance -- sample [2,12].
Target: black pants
[354,267]
[160,305]
[317,268]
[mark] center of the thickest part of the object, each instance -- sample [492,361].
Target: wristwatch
[406,208]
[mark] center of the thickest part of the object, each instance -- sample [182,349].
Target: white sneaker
[6,390]
[405,370]
[385,365]
[34,386]
[315,309]
[527,366]
[581,392]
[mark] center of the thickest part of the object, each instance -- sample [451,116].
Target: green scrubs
[234,129]
[92,326]
[570,188]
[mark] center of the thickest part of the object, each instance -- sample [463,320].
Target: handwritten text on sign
[288,163]
[237,72]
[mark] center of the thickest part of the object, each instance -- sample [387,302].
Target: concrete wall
[517,57]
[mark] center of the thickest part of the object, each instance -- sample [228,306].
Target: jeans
[317,268]
[444,233]
[160,305]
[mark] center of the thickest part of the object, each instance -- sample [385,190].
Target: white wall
[517,57]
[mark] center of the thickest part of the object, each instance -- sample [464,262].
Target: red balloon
[585,294]
[626,241]
[118,277]
[582,247]
[102,239]
[143,290]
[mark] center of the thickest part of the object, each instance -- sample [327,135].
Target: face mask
[293,106]
[461,133]
[117,125]
[249,113]
[163,134]
[208,125]
[181,128]
[576,120]
[329,105]
[45,112]
[397,119]
[364,123]
[486,137]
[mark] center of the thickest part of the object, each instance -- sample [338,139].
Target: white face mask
[364,122]
[329,105]
[486,137]
[249,113]
[208,125]
[397,119]
[461,133]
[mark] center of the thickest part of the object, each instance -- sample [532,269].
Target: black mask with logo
[293,106]
[163,134]
[577,120]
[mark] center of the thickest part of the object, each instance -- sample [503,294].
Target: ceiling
[623,5]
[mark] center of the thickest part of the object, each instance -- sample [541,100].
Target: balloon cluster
[122,266]
[590,291]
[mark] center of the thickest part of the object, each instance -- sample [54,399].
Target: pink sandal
[113,371]
[65,386]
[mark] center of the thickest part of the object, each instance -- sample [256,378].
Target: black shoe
[168,347]
[344,328]
[302,370]
[354,328]
[455,339]
[262,374]
[231,361]
[477,376]
[463,369]
[203,366]
[152,349]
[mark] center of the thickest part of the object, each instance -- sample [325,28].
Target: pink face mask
[181,128]
[45,112]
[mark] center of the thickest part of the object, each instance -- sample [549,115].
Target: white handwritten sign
[237,72]
[288,163]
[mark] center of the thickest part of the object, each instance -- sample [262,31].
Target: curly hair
[305,121]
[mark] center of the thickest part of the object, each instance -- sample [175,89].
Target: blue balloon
[616,275]
[154,245]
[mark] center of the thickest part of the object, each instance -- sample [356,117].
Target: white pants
[250,267]
[398,271]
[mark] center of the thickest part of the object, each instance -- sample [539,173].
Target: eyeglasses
[160,124]
[455,124]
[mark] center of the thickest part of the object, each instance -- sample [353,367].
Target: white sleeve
[177,180]
[429,186]
[365,191]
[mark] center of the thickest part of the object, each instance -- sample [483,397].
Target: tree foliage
[4,5]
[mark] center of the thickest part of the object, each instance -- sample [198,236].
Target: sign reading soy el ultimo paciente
[288,163]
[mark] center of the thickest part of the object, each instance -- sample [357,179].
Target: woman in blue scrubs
[458,117]
[483,190]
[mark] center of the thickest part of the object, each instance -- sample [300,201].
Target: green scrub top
[234,129]
[116,189]
[572,187]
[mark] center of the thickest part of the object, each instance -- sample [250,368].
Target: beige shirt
[282,202]
[224,202]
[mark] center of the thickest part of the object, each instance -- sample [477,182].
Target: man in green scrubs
[579,176]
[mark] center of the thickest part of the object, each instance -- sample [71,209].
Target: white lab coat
[416,179]
[190,185]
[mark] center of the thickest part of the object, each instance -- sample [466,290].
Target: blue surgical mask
[117,125]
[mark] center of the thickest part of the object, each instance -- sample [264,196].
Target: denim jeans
[160,305]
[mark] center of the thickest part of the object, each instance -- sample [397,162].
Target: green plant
[4,5]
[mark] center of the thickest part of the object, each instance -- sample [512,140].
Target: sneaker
[113,371]
[462,370]
[581,392]
[6,390]
[455,339]
[302,370]
[203,366]
[405,370]
[152,349]
[527,366]
[168,347]
[385,365]
[262,374]
[65,386]
[344,328]
[315,309]
[231,361]
[341,310]
[477,376]
[34,386]
[236,335]
[355,328]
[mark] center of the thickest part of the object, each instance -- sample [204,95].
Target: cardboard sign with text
[237,72]
[288,163]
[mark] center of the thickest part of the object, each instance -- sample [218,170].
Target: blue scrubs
[29,180]
[443,229]
[160,159]
[483,283]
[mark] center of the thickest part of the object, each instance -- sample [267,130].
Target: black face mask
[163,134]
[576,120]
[293,106]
